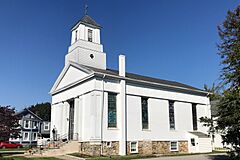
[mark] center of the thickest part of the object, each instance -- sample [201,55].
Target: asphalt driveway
[219,156]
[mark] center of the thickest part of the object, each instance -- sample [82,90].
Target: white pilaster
[53,114]
[76,119]
[122,125]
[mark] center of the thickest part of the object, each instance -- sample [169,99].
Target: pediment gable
[70,74]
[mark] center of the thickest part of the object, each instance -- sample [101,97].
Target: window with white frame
[34,136]
[171,115]
[27,124]
[194,116]
[144,102]
[174,146]
[90,35]
[76,35]
[193,141]
[46,126]
[133,147]
[109,144]
[25,136]
[112,110]
[35,124]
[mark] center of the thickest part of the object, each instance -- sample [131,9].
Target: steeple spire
[86,8]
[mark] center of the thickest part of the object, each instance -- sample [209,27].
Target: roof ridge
[86,19]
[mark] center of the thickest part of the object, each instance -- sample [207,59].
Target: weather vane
[86,8]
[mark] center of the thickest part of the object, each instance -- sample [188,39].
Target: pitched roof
[200,134]
[25,111]
[145,78]
[87,20]
[130,77]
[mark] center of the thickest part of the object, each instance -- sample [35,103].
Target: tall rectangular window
[144,112]
[171,115]
[26,125]
[34,136]
[25,136]
[112,110]
[76,35]
[194,116]
[89,35]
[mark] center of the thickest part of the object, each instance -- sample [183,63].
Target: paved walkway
[219,156]
[68,157]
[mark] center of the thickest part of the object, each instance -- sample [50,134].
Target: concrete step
[70,147]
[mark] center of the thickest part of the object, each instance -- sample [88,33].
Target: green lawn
[14,149]
[136,156]
[23,158]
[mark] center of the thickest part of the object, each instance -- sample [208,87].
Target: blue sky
[168,39]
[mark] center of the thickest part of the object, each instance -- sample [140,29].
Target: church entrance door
[71,120]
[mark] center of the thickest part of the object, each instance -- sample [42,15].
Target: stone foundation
[112,149]
[158,147]
[144,148]
[95,149]
[161,147]
[90,149]
[183,146]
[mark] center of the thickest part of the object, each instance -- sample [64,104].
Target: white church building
[112,112]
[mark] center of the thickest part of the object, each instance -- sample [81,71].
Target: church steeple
[86,47]
[86,29]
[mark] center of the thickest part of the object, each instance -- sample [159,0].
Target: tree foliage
[43,110]
[214,92]
[8,123]
[228,121]
[229,49]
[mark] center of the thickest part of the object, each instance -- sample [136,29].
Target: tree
[215,95]
[214,92]
[43,110]
[8,123]
[228,121]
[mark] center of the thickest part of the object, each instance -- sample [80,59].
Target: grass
[23,158]
[14,149]
[137,156]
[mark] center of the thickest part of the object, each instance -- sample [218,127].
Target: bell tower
[86,47]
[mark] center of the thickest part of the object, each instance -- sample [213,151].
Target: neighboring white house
[113,112]
[31,128]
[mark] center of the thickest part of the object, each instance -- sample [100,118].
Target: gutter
[152,83]
[102,114]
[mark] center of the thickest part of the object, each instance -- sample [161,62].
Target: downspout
[102,114]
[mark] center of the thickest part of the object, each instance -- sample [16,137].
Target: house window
[35,124]
[194,116]
[174,146]
[171,115]
[133,147]
[25,136]
[26,124]
[192,141]
[34,136]
[46,126]
[90,35]
[112,110]
[144,102]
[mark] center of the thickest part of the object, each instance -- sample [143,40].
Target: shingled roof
[145,78]
[87,20]
[132,78]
